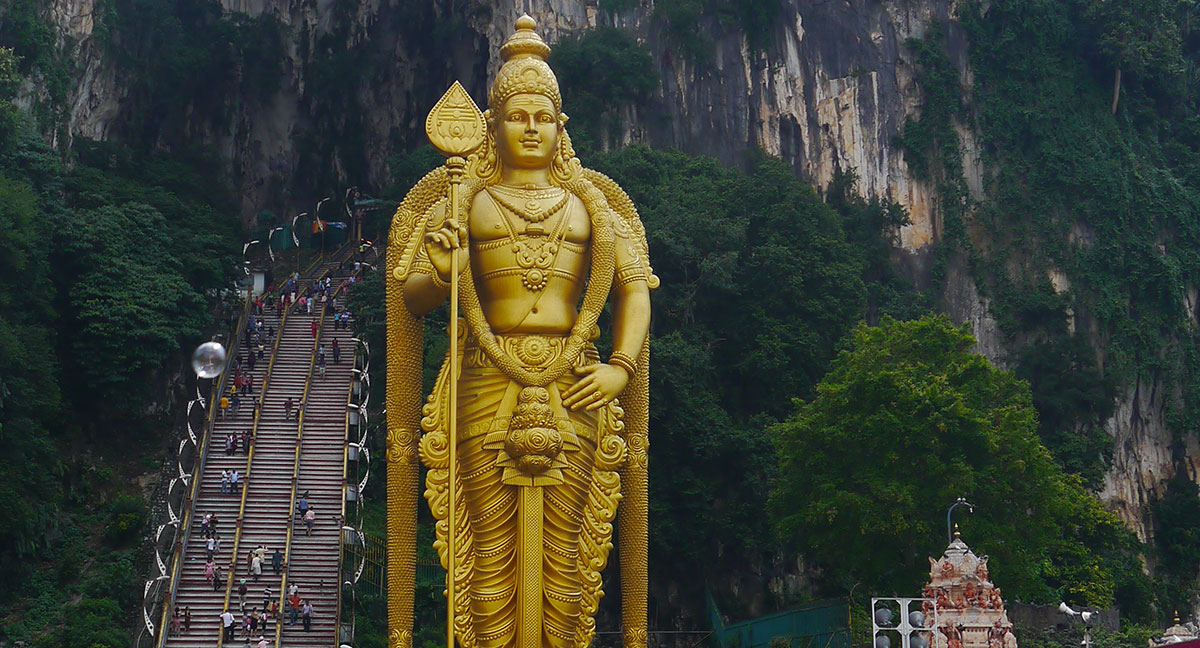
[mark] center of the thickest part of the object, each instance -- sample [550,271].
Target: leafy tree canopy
[758,287]
[907,420]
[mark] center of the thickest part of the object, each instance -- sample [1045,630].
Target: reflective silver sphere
[208,361]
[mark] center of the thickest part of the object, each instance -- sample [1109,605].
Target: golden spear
[455,127]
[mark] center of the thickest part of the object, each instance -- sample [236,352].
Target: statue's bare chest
[528,241]
[554,215]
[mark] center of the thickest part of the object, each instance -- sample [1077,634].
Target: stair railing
[184,518]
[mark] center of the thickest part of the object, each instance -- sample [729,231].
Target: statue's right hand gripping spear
[456,127]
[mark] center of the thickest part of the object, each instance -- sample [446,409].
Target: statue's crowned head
[524,70]
[525,106]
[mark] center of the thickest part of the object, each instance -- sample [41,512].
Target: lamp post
[296,239]
[271,234]
[351,207]
[950,531]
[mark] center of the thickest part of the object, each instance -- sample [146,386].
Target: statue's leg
[562,527]
[492,511]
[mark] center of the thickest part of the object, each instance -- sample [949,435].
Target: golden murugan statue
[548,439]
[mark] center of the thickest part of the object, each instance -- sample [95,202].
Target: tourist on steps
[227,623]
[293,608]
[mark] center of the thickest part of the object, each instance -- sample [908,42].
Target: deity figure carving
[549,437]
[996,634]
[953,634]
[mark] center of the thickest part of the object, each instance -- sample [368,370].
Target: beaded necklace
[532,210]
[535,252]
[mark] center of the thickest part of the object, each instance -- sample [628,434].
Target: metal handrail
[237,536]
[358,496]
[197,472]
[287,551]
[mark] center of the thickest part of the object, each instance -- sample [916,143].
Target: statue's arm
[422,292]
[631,302]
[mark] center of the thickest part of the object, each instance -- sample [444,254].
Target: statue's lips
[531,143]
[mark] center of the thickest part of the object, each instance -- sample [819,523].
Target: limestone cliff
[829,91]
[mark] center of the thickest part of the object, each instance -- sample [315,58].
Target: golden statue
[530,440]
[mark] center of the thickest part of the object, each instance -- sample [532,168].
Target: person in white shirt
[227,623]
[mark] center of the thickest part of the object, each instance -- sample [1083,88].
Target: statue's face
[527,131]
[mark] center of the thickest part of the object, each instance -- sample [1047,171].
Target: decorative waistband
[533,351]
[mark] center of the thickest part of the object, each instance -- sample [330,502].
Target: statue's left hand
[601,383]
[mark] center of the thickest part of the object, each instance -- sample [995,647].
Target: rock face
[829,91]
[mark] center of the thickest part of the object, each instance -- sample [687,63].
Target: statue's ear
[562,119]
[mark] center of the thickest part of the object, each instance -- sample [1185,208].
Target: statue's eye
[545,118]
[515,117]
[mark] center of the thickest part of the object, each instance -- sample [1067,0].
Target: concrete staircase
[288,457]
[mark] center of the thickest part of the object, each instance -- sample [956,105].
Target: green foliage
[1073,398]
[105,271]
[1108,202]
[682,20]
[126,517]
[907,419]
[184,58]
[131,306]
[601,71]
[871,227]
[1177,540]
[1141,36]
[32,38]
[1131,635]
[758,287]
[10,81]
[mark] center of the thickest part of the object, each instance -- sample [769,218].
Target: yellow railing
[198,474]
[287,551]
[245,485]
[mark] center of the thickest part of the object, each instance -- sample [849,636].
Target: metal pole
[455,166]
[949,530]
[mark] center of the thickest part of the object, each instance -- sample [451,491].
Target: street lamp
[1084,616]
[970,509]
[270,234]
[296,239]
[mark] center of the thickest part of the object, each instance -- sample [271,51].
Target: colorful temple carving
[970,609]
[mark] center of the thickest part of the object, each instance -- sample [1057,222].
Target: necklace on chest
[535,250]
[527,204]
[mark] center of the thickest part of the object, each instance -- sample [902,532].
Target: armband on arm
[630,272]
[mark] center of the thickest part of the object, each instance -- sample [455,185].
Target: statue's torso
[529,276]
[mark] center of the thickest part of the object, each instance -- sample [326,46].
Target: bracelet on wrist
[437,280]
[622,360]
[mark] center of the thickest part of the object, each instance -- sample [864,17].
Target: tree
[908,419]
[601,71]
[758,288]
[1136,35]
[131,307]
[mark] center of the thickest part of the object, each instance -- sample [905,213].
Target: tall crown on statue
[525,69]
[970,609]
